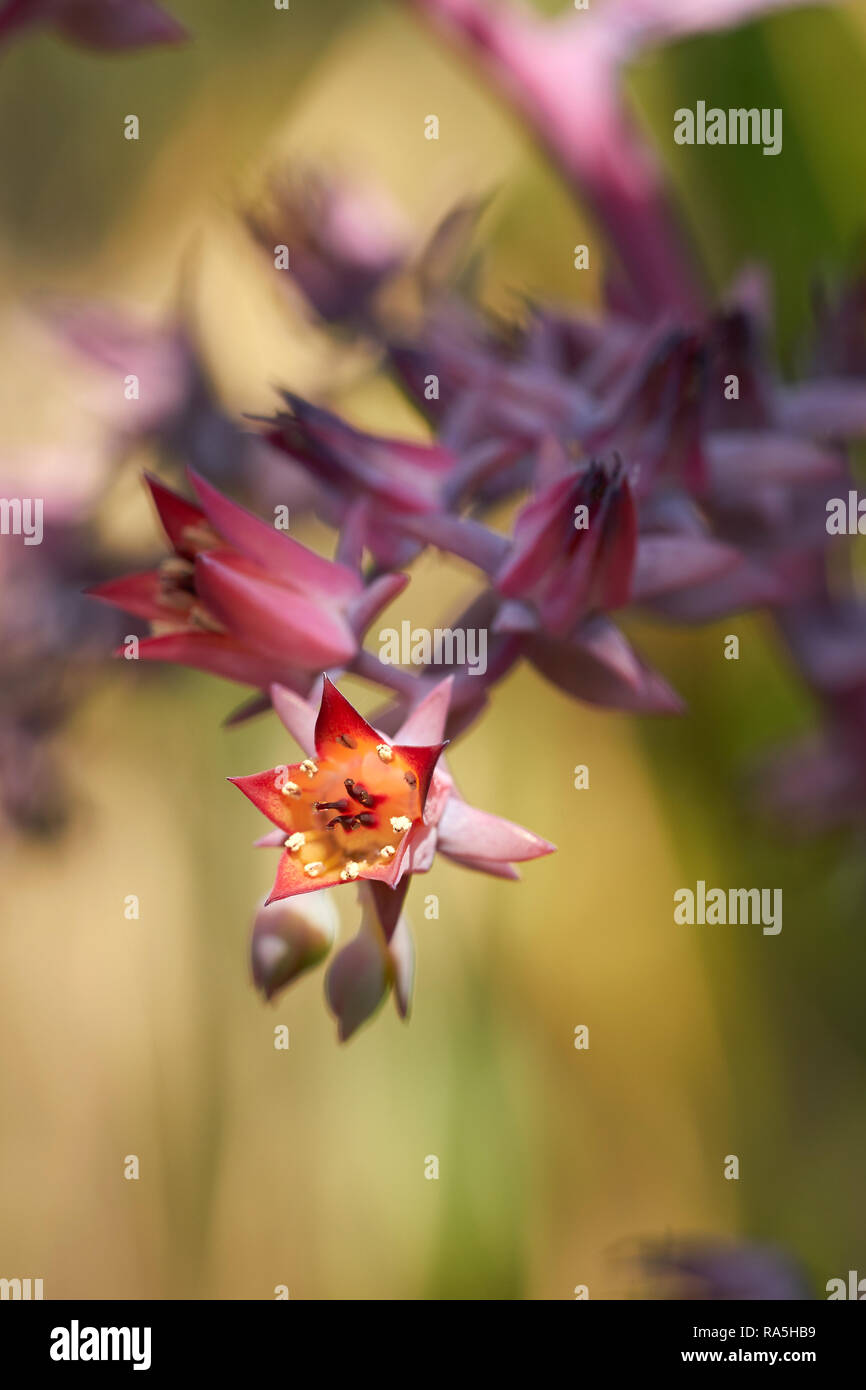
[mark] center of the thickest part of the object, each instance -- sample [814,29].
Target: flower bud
[289,937]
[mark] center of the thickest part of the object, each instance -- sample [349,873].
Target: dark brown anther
[347,822]
[346,741]
[341,805]
[358,793]
[410,778]
[365,818]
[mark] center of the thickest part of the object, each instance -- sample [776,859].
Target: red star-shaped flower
[354,811]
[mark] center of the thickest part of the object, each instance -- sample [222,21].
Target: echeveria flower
[352,810]
[104,24]
[574,548]
[365,809]
[363,806]
[242,600]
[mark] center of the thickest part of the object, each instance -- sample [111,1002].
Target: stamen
[400,823]
[385,751]
[410,778]
[313,870]
[346,741]
[341,805]
[358,792]
[291,789]
[351,871]
[309,767]
[387,851]
[294,842]
[203,621]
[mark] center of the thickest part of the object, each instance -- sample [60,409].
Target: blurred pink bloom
[242,600]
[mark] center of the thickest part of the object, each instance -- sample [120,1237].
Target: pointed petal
[425,724]
[292,882]
[337,722]
[677,562]
[539,533]
[177,514]
[484,866]
[422,761]
[217,653]
[464,830]
[140,594]
[743,587]
[471,540]
[298,716]
[599,665]
[747,459]
[270,618]
[273,550]
[264,790]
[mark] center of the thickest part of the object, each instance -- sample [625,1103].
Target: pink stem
[563,78]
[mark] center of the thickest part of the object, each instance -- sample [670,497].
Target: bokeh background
[306,1168]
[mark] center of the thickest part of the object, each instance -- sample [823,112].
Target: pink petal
[287,559]
[268,617]
[177,515]
[425,724]
[140,594]
[483,866]
[677,562]
[299,717]
[741,459]
[599,665]
[217,653]
[466,831]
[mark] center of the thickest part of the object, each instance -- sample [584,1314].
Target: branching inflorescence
[656,458]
